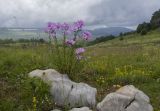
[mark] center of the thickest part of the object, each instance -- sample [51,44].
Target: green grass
[134,60]
[16,88]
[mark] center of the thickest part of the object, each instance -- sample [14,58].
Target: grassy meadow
[134,60]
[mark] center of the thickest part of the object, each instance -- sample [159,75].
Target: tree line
[154,23]
[101,39]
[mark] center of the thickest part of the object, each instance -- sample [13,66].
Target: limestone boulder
[127,98]
[66,92]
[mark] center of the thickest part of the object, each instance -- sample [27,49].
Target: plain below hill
[17,33]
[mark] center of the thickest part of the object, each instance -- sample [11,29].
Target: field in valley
[109,65]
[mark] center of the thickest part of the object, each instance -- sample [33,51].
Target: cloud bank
[96,13]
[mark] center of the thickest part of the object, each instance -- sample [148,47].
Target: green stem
[71,60]
[64,52]
[50,44]
[57,50]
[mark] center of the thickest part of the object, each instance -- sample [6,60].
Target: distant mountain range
[16,33]
[109,31]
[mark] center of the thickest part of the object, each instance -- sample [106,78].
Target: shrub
[154,24]
[144,27]
[121,38]
[155,20]
[143,32]
[101,39]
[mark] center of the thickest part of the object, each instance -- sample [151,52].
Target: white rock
[138,106]
[130,90]
[65,91]
[127,98]
[114,102]
[81,109]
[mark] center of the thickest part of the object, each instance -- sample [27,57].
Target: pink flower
[70,42]
[86,35]
[80,51]
[52,27]
[77,26]
[65,26]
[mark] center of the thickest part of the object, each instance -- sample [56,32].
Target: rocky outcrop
[127,98]
[66,92]
[71,94]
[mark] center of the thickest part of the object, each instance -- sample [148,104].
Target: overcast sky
[96,13]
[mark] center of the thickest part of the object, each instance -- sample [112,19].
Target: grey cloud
[124,12]
[36,13]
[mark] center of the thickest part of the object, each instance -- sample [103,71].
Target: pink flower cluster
[75,29]
[70,42]
[86,35]
[79,52]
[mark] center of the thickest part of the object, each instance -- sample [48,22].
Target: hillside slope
[151,37]
[134,60]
